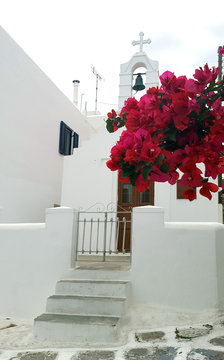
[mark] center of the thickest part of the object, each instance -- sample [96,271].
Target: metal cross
[141,42]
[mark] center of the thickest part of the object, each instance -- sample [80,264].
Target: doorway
[129,197]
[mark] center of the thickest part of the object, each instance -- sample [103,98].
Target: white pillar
[63,221]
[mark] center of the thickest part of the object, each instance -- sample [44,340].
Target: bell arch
[139,59]
[138,65]
[138,77]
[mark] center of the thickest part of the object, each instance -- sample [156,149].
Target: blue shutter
[75,140]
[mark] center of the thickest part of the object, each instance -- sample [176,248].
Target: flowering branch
[171,130]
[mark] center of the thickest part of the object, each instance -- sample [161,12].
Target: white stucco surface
[31,109]
[179,265]
[32,259]
[87,182]
[183,210]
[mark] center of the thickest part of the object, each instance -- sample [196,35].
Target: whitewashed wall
[87,182]
[184,210]
[32,259]
[31,108]
[176,265]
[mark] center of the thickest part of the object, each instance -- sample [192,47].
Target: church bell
[138,83]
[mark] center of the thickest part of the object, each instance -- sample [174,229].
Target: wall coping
[148,209]
[22,226]
[61,210]
[194,225]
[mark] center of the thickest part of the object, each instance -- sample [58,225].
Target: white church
[35,175]
[102,187]
[53,168]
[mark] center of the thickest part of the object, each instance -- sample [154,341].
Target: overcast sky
[66,37]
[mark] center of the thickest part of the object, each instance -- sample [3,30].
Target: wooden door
[129,197]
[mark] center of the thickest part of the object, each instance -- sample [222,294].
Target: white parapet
[32,259]
[176,265]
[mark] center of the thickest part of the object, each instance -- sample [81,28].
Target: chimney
[75,92]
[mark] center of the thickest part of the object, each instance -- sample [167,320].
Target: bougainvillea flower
[191,177]
[112,165]
[221,50]
[180,103]
[207,188]
[131,156]
[214,166]
[192,86]
[149,152]
[130,104]
[122,179]
[141,184]
[167,78]
[153,90]
[205,76]
[116,152]
[181,122]
[149,102]
[158,175]
[194,106]
[112,114]
[133,120]
[190,194]
[173,177]
[202,78]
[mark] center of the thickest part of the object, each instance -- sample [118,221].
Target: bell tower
[139,59]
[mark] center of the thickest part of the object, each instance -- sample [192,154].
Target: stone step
[68,329]
[89,305]
[96,274]
[109,258]
[93,287]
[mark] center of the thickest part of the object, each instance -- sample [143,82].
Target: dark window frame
[68,140]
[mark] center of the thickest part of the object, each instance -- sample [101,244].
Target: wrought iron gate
[98,232]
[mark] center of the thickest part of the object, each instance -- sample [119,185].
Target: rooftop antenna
[98,77]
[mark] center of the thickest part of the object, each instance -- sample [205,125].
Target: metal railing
[103,233]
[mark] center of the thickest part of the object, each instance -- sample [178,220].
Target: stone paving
[202,342]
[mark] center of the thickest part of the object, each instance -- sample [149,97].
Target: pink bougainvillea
[171,130]
[221,50]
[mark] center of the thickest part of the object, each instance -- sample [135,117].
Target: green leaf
[172,136]
[132,179]
[193,115]
[125,173]
[161,157]
[145,172]
[127,170]
[110,126]
[164,168]
[163,102]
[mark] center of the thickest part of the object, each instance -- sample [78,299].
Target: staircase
[89,307]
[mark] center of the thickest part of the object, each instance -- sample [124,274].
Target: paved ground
[197,342]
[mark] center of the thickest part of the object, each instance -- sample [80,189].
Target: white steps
[65,329]
[83,312]
[97,274]
[91,286]
[90,305]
